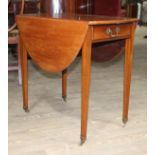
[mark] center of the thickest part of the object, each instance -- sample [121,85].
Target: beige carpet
[53,128]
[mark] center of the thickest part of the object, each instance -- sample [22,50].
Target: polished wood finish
[132,10]
[51,44]
[86,63]
[70,6]
[117,31]
[24,65]
[127,72]
[66,6]
[54,42]
[89,7]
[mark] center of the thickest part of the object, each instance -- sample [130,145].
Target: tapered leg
[24,77]
[127,77]
[86,62]
[64,84]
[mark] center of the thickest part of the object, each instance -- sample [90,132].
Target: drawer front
[111,32]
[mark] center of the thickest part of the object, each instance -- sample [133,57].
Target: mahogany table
[54,41]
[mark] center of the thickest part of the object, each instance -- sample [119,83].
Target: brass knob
[117,30]
[109,31]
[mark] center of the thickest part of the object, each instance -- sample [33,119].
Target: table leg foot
[64,98]
[82,140]
[26,109]
[125,120]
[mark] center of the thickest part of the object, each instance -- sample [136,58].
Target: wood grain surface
[53,44]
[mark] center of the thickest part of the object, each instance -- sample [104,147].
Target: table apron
[110,32]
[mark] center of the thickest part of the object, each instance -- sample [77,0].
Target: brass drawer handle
[117,30]
[109,32]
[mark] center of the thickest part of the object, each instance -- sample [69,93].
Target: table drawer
[110,31]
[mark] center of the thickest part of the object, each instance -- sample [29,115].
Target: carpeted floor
[53,127]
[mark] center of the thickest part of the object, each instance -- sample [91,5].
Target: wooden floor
[53,127]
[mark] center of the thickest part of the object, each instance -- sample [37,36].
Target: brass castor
[64,98]
[82,141]
[125,120]
[26,109]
